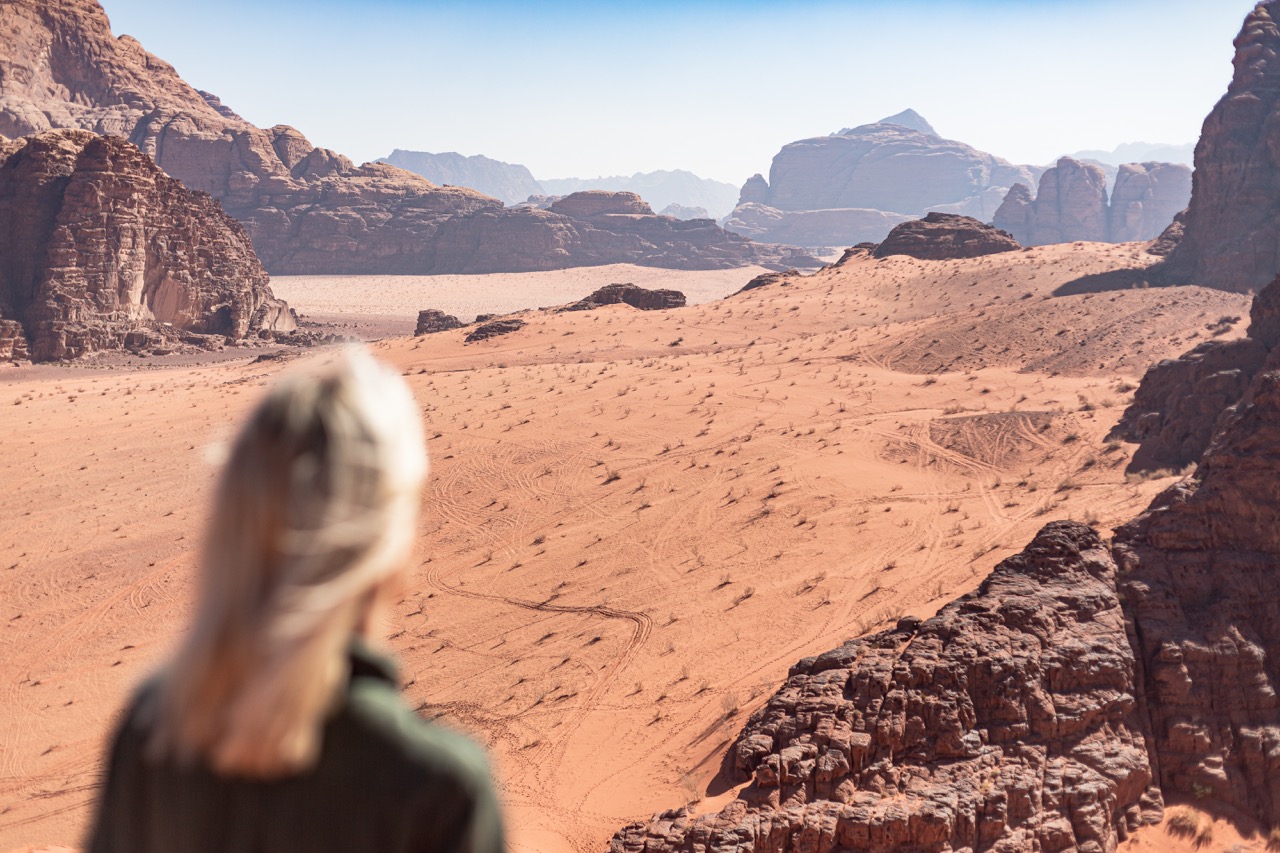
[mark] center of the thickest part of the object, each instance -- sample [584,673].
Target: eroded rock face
[588,204]
[99,249]
[432,320]
[945,236]
[642,298]
[1232,230]
[1007,722]
[307,209]
[1072,204]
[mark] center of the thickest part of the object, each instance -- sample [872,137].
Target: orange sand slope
[635,522]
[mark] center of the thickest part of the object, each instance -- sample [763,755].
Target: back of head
[315,513]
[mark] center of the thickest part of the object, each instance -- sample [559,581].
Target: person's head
[313,522]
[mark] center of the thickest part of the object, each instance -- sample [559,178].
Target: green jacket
[387,782]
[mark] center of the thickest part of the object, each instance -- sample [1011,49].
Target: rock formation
[679,211]
[588,204]
[432,320]
[945,236]
[493,329]
[307,209]
[857,184]
[1007,722]
[1232,230]
[509,182]
[638,297]
[660,189]
[1072,204]
[99,249]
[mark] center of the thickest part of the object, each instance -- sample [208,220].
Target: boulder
[945,236]
[432,320]
[99,250]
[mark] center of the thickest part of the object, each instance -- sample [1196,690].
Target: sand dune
[635,521]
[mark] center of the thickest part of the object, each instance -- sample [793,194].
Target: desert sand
[635,521]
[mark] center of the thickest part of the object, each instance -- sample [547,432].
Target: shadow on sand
[1126,279]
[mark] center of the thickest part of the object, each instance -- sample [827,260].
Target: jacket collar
[368,663]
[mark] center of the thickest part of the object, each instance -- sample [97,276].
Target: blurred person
[276,727]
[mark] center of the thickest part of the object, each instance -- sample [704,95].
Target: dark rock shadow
[1126,279]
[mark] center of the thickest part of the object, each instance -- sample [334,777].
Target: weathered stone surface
[765,279]
[493,329]
[432,320]
[1070,205]
[1007,722]
[99,249]
[945,236]
[643,298]
[680,211]
[307,209]
[13,341]
[1232,231]
[588,204]
[1170,237]
[1146,198]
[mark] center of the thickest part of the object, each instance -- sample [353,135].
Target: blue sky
[712,86]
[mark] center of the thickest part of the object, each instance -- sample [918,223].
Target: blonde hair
[315,511]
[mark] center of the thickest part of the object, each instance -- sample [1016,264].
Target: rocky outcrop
[1182,403]
[638,297]
[509,182]
[765,279]
[589,204]
[660,189]
[432,320]
[857,184]
[1071,204]
[1232,230]
[945,236]
[101,250]
[1007,722]
[493,329]
[307,209]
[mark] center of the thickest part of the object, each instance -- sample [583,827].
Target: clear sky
[573,88]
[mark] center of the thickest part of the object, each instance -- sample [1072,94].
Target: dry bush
[1183,823]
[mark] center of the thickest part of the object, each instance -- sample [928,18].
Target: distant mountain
[907,118]
[1141,152]
[660,189]
[509,182]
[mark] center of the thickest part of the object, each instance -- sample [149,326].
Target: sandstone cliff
[99,249]
[1071,204]
[857,184]
[307,209]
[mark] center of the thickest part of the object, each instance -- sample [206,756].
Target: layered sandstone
[1231,237]
[100,250]
[1071,203]
[1007,722]
[945,236]
[307,209]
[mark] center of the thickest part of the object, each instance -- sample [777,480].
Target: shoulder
[423,748]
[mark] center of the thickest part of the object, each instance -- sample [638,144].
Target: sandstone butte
[308,209]
[945,236]
[99,249]
[1071,204]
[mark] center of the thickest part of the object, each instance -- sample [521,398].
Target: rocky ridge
[307,209]
[945,236]
[509,182]
[100,250]
[1071,204]
[641,298]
